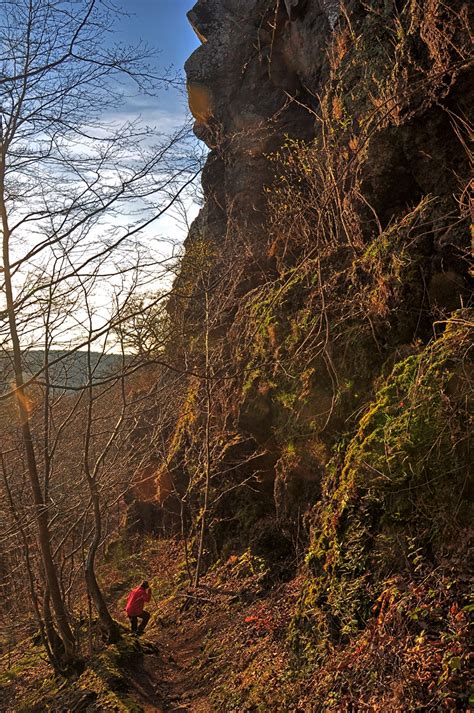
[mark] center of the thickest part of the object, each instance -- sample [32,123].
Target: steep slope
[323,316]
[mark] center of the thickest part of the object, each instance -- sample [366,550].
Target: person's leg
[145,618]
[133,623]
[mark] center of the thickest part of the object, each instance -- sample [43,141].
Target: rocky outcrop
[322,307]
[333,233]
[243,83]
[269,74]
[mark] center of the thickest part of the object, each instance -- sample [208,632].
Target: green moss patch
[396,493]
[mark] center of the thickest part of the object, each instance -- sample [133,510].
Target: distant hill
[68,373]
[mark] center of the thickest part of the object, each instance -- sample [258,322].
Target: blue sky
[163,25]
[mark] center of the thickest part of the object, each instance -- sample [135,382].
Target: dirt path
[168,680]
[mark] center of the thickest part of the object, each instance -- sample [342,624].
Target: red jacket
[136,600]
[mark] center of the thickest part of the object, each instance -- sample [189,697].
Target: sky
[163,25]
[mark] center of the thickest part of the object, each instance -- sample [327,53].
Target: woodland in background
[79,186]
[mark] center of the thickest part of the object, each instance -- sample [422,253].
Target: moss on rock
[397,489]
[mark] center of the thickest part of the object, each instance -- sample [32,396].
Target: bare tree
[77,184]
[207,439]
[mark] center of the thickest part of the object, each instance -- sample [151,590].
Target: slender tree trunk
[23,409]
[207,448]
[92,584]
[50,641]
[46,420]
[184,537]
[91,477]
[55,641]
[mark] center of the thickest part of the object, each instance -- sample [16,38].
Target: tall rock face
[252,84]
[322,309]
[244,87]
[323,313]
[338,166]
[264,66]
[323,328]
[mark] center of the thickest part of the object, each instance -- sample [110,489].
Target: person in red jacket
[134,607]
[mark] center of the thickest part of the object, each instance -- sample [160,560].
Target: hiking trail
[165,681]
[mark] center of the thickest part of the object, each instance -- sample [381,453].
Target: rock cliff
[336,133]
[324,304]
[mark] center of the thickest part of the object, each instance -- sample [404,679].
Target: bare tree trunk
[91,477]
[50,640]
[23,409]
[184,537]
[207,446]
[53,638]
[92,584]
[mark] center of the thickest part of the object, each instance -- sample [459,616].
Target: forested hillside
[69,370]
[292,469]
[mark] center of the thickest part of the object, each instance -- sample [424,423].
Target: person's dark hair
[145,585]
